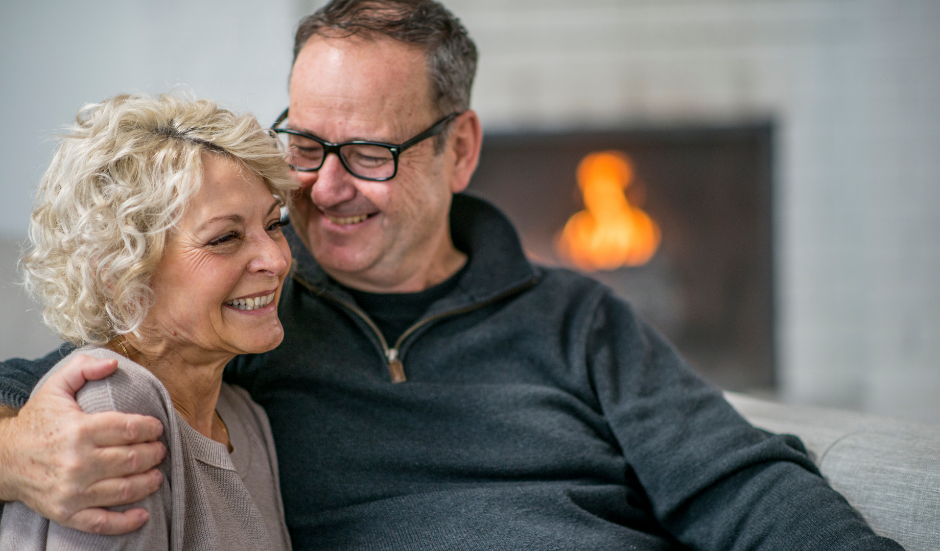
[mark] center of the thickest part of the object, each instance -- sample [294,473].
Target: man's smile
[347,220]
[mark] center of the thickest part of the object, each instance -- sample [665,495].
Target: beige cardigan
[209,499]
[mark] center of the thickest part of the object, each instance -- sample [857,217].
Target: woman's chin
[257,343]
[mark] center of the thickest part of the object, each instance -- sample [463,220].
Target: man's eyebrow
[301,130]
[304,131]
[236,218]
[348,140]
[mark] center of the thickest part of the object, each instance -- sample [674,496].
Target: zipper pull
[395,368]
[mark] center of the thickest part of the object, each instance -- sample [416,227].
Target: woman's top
[210,499]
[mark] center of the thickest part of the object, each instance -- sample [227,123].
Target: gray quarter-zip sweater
[528,409]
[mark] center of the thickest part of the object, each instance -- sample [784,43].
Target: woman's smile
[254,303]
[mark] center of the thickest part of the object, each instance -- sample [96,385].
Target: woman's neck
[193,382]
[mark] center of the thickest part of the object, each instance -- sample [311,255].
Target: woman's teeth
[251,303]
[348,219]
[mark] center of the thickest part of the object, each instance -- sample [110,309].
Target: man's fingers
[112,428]
[121,461]
[72,377]
[102,521]
[121,491]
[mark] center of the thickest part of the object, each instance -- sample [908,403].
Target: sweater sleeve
[19,376]
[130,392]
[714,481]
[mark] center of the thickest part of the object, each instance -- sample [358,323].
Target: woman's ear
[464,143]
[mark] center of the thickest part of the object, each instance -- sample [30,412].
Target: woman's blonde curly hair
[118,183]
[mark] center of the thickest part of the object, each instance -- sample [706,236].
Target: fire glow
[610,232]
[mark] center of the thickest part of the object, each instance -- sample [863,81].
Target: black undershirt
[394,313]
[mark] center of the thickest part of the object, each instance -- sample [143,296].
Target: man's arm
[18,376]
[67,465]
[713,480]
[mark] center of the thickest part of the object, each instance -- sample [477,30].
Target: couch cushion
[889,470]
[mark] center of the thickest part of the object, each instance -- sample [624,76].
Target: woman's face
[218,284]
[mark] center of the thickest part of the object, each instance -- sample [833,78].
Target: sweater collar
[496,262]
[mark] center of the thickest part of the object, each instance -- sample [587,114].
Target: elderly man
[434,389]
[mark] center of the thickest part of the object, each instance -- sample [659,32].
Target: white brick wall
[855,88]
[22,332]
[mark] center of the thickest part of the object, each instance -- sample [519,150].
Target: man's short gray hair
[118,183]
[451,54]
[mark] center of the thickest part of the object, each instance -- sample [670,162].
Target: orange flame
[610,232]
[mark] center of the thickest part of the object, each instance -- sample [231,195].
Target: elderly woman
[156,241]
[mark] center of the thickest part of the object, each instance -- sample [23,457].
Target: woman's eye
[223,239]
[278,224]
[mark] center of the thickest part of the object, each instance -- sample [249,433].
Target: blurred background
[760,178]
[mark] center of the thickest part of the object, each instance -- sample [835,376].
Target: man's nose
[333,184]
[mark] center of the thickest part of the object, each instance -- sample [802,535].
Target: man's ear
[464,142]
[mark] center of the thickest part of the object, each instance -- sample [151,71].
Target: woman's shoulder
[130,389]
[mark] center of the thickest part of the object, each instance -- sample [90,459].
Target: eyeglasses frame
[330,147]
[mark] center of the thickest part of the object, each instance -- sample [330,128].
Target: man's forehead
[377,60]
[354,78]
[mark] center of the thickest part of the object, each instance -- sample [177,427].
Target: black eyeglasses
[374,161]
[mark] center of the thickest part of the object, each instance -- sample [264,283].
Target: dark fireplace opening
[709,285]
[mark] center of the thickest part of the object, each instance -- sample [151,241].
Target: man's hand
[67,465]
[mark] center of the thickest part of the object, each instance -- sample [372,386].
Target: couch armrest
[888,469]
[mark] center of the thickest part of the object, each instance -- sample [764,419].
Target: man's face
[376,236]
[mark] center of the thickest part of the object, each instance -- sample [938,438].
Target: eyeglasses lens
[370,161]
[301,152]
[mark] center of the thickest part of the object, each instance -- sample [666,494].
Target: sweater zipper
[396,369]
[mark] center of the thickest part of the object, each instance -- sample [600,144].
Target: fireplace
[702,197]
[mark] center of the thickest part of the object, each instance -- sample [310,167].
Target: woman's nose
[270,256]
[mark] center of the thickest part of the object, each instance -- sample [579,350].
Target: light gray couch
[889,470]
